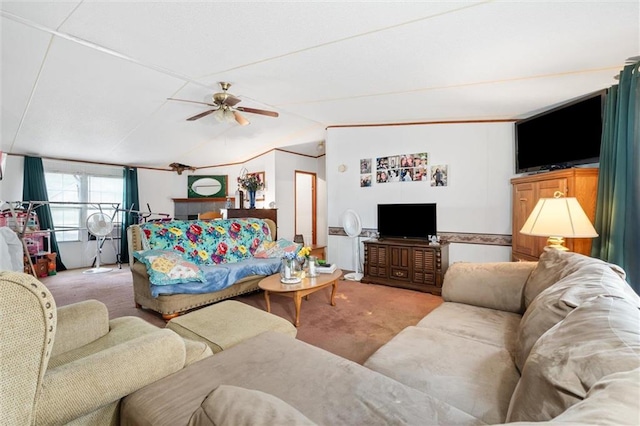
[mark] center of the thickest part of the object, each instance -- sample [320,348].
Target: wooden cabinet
[408,264]
[581,183]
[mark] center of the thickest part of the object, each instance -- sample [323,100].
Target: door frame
[314,204]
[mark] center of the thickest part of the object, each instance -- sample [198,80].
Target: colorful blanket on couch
[203,256]
[208,242]
[218,277]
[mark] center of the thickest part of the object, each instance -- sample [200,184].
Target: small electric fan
[352,225]
[99,225]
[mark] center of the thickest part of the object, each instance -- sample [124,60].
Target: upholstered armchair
[71,364]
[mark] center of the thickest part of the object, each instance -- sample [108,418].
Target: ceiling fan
[225,107]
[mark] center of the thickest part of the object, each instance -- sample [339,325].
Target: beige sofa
[72,365]
[555,341]
[170,306]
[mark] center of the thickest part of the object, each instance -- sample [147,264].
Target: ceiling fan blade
[240,119]
[232,100]
[258,111]
[193,102]
[202,114]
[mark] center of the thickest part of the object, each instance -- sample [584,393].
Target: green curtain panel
[35,189]
[618,202]
[130,202]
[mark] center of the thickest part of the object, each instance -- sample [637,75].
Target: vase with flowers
[290,270]
[251,183]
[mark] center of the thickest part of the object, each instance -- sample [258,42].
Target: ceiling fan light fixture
[229,117]
[219,115]
[225,108]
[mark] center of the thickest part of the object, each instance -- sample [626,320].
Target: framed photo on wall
[207,186]
[439,175]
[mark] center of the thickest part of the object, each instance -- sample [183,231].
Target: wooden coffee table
[307,286]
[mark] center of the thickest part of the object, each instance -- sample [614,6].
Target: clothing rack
[29,207]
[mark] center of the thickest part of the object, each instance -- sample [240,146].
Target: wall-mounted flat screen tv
[565,136]
[414,221]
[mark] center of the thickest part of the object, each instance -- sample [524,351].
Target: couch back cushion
[599,338]
[613,400]
[554,265]
[208,242]
[552,305]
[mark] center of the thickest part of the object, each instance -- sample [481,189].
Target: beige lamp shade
[557,218]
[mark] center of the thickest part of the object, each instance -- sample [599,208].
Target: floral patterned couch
[180,265]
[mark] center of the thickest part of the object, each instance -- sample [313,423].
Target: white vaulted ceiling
[89,80]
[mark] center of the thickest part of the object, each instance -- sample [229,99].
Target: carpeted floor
[365,316]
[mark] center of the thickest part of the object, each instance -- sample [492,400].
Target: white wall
[11,183]
[287,164]
[480,161]
[157,188]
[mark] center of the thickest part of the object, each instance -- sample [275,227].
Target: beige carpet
[365,316]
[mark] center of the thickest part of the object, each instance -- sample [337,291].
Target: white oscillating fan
[99,225]
[353,227]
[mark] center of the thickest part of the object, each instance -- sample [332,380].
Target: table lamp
[558,218]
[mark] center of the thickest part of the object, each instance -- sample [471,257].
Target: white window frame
[84,172]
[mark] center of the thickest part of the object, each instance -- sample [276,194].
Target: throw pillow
[596,339]
[166,267]
[276,249]
[236,406]
[554,303]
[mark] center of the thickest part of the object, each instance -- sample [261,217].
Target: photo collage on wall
[365,172]
[403,168]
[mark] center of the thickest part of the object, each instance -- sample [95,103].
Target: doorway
[305,206]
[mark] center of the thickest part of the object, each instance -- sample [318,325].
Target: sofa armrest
[84,385]
[134,241]
[498,285]
[79,324]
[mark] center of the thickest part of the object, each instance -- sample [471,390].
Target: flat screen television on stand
[410,221]
[562,137]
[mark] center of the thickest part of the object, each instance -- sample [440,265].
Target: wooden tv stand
[405,263]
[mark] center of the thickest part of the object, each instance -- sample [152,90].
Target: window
[69,183]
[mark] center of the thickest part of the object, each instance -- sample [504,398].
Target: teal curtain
[129,202]
[618,202]
[35,189]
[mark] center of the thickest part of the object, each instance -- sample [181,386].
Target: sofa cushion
[166,267]
[596,339]
[554,265]
[490,326]
[326,388]
[554,303]
[236,406]
[613,400]
[271,249]
[475,377]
